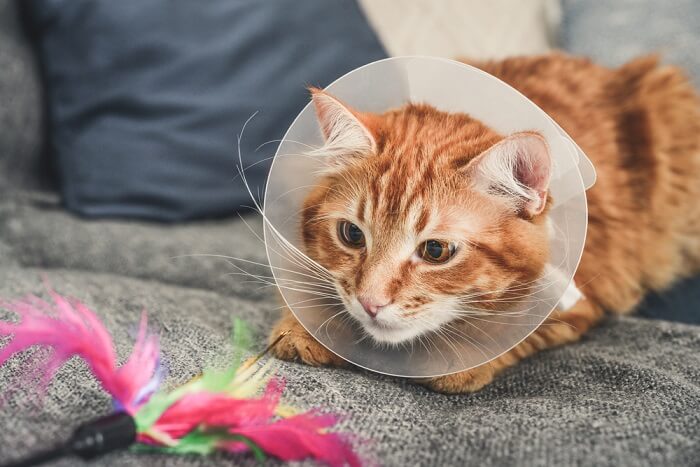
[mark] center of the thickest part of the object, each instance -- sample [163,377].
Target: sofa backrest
[21,113]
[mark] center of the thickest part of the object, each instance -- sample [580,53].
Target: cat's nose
[372,305]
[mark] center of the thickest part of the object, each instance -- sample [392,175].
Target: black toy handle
[93,439]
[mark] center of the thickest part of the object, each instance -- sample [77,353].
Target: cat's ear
[344,129]
[517,168]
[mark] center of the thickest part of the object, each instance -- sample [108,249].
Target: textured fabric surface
[628,394]
[615,31]
[464,28]
[146,98]
[20,104]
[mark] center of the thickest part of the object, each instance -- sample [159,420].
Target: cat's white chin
[389,327]
[390,335]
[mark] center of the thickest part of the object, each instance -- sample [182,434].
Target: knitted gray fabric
[628,394]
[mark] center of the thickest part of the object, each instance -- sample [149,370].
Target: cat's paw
[463,382]
[299,345]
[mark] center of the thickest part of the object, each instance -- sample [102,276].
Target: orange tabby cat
[419,207]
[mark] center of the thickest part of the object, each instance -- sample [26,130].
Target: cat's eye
[436,251]
[351,235]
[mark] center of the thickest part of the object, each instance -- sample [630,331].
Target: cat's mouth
[384,328]
[390,326]
[388,333]
[383,325]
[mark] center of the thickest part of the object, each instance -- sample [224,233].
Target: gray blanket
[628,394]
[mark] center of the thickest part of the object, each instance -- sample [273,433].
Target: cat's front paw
[298,344]
[463,382]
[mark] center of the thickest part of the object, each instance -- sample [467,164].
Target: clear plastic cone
[453,87]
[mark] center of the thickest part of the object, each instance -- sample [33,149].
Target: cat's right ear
[517,169]
[344,129]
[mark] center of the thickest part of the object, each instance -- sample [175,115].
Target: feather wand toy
[220,410]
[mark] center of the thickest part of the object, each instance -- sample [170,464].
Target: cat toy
[217,411]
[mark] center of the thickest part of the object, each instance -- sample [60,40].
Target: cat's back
[640,125]
[634,110]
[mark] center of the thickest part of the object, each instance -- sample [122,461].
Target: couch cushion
[615,31]
[20,106]
[146,99]
[627,394]
[474,29]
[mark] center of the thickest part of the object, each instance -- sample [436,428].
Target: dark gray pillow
[147,97]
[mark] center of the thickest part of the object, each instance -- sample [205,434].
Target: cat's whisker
[257,279]
[299,258]
[312,291]
[314,276]
[296,289]
[437,347]
[441,332]
[300,262]
[465,320]
[420,341]
[286,245]
[470,339]
[268,280]
[327,321]
[294,214]
[315,284]
[477,315]
[532,290]
[309,307]
[300,306]
[529,298]
[505,323]
[285,140]
[313,299]
[482,312]
[447,339]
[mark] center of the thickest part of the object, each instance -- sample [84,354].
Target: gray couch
[628,394]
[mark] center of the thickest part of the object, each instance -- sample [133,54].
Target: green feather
[211,380]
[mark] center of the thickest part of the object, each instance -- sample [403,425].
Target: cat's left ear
[346,131]
[518,169]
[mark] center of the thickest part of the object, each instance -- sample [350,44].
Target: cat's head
[422,215]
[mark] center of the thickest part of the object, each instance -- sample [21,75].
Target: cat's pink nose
[372,305]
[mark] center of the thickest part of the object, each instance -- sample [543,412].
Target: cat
[419,207]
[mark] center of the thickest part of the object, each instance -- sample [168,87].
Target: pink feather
[209,409]
[299,437]
[70,329]
[212,409]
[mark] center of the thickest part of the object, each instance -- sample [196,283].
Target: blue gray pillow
[146,98]
[615,31]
